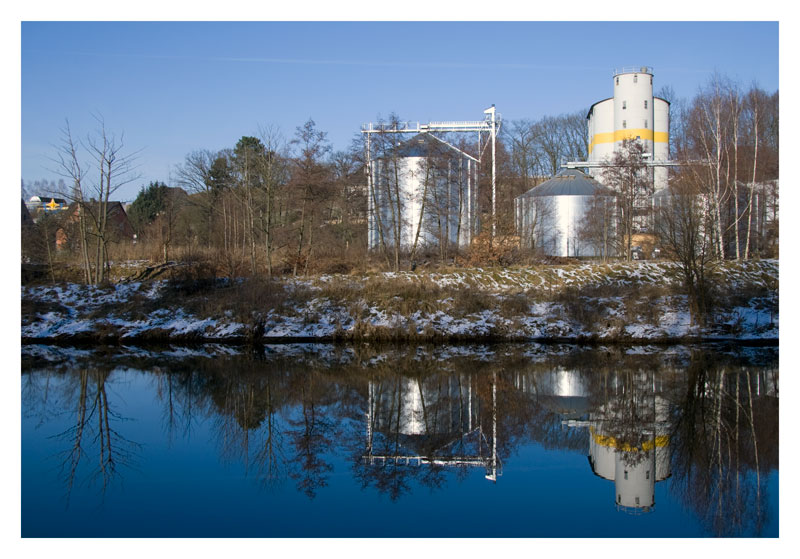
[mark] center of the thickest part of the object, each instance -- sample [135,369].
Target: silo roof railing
[633,70]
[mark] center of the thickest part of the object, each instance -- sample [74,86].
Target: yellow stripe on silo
[628,134]
[660,441]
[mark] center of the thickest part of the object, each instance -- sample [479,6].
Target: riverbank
[629,303]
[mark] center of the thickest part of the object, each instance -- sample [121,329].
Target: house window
[645,104]
[651,80]
[647,474]
[635,78]
[626,474]
[624,124]
[617,81]
[645,123]
[637,500]
[624,105]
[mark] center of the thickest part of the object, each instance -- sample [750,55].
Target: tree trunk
[753,181]
[300,240]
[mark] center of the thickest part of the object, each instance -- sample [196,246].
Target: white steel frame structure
[490,124]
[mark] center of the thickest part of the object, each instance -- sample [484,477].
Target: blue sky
[172,88]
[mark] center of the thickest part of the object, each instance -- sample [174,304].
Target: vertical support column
[492,476]
[493,120]
[371,242]
[369,416]
[494,175]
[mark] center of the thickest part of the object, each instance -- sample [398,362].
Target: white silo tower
[423,190]
[632,113]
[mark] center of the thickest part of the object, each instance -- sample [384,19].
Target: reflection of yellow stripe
[628,133]
[603,440]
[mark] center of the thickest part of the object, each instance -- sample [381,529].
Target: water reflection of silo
[409,406]
[627,422]
[634,465]
[436,420]
[562,391]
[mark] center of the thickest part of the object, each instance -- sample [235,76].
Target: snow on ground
[321,318]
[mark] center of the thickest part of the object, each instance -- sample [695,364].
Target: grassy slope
[609,302]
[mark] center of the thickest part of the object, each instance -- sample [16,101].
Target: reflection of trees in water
[247,403]
[312,434]
[425,417]
[719,422]
[283,417]
[93,442]
[40,396]
[276,418]
[182,393]
[726,441]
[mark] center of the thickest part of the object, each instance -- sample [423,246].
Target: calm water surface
[472,441]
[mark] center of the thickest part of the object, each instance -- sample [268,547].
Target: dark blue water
[316,441]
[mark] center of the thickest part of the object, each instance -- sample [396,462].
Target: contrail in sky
[306,61]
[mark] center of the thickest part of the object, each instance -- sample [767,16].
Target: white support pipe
[493,113]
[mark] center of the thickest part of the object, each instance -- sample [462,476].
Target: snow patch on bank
[66,309]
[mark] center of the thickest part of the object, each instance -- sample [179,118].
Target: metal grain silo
[549,217]
[423,191]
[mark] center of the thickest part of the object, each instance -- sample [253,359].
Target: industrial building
[632,113]
[423,193]
[549,217]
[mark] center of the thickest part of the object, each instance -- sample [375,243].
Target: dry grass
[515,304]
[199,291]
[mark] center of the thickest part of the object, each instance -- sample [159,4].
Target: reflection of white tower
[629,439]
[410,407]
[633,469]
[632,113]
[411,418]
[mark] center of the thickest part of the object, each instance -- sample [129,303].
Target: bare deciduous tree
[114,168]
[627,175]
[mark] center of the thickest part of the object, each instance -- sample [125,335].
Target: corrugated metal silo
[550,216]
[423,191]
